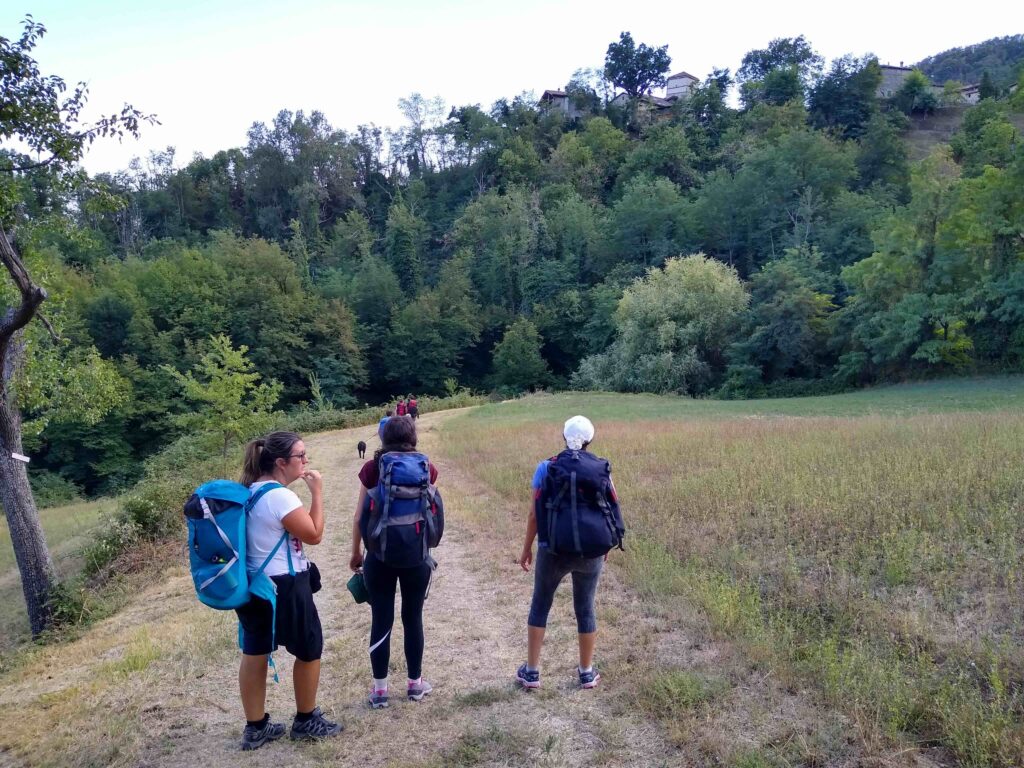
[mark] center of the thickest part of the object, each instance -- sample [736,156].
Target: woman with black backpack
[398,528]
[576,517]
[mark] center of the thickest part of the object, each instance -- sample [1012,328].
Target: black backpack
[577,511]
[403,518]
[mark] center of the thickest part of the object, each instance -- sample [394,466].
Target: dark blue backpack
[577,511]
[403,518]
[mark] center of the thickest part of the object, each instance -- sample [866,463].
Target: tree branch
[53,334]
[32,295]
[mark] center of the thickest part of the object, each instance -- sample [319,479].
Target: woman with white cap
[576,517]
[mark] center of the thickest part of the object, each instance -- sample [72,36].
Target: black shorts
[298,623]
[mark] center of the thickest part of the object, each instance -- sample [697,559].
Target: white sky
[209,69]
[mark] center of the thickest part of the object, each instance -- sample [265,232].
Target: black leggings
[381,581]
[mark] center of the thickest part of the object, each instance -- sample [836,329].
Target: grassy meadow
[66,529]
[865,545]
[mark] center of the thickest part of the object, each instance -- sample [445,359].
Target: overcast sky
[209,69]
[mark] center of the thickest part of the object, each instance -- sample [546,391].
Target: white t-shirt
[264,528]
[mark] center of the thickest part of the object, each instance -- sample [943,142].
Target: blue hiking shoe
[317,727]
[255,736]
[378,699]
[416,691]
[588,679]
[528,679]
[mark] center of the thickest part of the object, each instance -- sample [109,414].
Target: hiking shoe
[527,679]
[588,679]
[378,699]
[255,736]
[316,728]
[418,690]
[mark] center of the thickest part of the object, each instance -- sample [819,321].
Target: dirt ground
[156,685]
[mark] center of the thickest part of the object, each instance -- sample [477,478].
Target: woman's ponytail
[251,465]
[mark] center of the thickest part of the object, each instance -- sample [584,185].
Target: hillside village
[681,85]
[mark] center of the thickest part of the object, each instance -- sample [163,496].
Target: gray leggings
[549,570]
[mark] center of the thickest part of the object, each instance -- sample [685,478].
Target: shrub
[52,490]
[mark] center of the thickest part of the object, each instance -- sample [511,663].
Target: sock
[302,717]
[414,682]
[532,669]
[259,723]
[380,685]
[588,669]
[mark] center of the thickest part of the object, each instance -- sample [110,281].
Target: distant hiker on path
[412,408]
[399,517]
[280,457]
[381,423]
[400,408]
[576,517]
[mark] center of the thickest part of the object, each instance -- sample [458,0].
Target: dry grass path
[156,685]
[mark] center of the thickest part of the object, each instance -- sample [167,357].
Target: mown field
[867,546]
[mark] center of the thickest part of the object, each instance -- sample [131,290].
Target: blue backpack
[403,518]
[577,511]
[216,515]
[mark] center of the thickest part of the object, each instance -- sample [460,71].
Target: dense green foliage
[1001,58]
[516,247]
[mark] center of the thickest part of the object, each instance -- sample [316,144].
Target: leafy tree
[845,98]
[915,95]
[405,241]
[987,88]
[788,321]
[351,242]
[665,152]
[646,225]
[673,327]
[232,404]
[882,155]
[501,233]
[518,364]
[636,69]
[430,335]
[985,137]
[779,73]
[35,112]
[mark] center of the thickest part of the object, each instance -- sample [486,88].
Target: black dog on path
[361,447]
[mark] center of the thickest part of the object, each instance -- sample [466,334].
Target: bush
[52,490]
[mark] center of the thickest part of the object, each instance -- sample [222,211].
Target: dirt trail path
[474,622]
[156,685]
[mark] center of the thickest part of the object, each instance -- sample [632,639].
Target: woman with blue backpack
[576,518]
[277,526]
[398,517]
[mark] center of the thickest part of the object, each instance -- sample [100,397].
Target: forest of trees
[783,246]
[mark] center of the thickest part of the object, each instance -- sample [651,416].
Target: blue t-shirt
[538,475]
[380,427]
[537,482]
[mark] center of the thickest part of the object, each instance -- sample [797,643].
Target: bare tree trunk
[38,577]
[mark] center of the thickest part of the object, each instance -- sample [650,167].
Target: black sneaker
[529,680]
[588,679]
[316,727]
[255,736]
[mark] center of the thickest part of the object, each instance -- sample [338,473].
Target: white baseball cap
[577,431]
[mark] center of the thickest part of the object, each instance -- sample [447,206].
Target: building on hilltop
[559,100]
[893,78]
[678,86]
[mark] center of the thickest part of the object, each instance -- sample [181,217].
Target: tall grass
[877,558]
